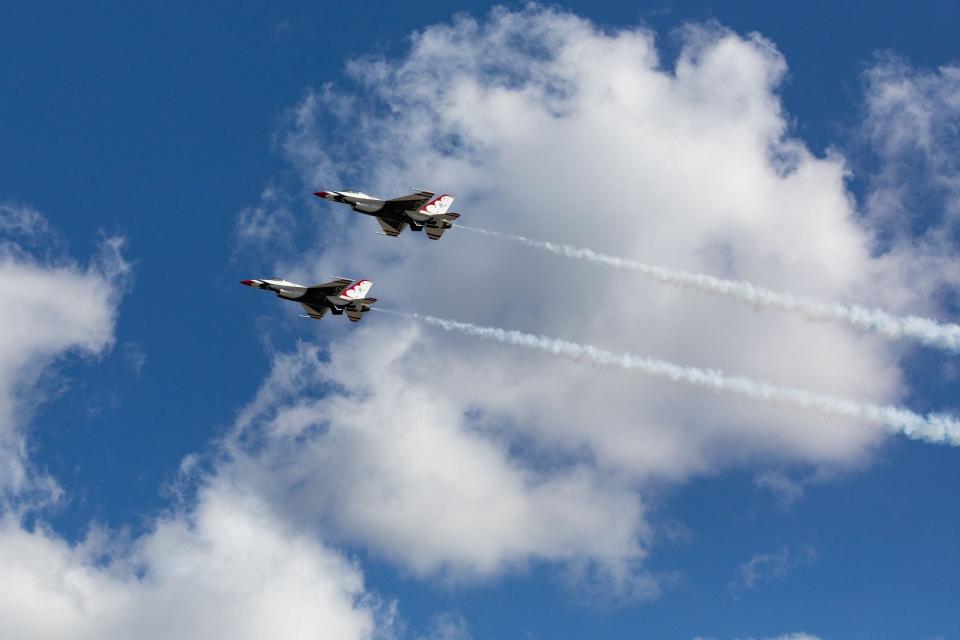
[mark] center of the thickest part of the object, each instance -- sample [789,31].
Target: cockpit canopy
[357,192]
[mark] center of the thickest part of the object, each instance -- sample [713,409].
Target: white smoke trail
[929,332]
[936,428]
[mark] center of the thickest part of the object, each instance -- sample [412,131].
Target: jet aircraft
[421,210]
[339,296]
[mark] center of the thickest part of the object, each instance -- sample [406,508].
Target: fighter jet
[339,296]
[421,210]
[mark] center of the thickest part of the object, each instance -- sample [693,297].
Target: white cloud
[584,136]
[399,467]
[913,195]
[266,224]
[449,455]
[21,221]
[51,306]
[228,569]
[460,459]
[910,124]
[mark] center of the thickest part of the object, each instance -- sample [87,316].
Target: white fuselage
[283,288]
[359,201]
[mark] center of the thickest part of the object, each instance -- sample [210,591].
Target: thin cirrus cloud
[910,123]
[764,567]
[913,196]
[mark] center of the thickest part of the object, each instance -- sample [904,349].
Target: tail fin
[438,205]
[357,290]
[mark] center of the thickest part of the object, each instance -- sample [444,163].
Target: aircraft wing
[391,228]
[315,312]
[332,288]
[416,196]
[410,202]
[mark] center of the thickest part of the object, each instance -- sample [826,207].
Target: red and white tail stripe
[357,290]
[438,205]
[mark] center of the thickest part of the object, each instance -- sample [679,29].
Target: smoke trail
[937,428]
[929,332]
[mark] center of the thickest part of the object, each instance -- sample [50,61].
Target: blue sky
[164,124]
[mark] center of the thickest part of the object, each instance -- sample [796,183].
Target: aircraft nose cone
[249,283]
[321,194]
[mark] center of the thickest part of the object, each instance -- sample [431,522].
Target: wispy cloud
[786,490]
[766,567]
[447,626]
[910,124]
[41,323]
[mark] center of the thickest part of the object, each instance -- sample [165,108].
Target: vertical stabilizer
[357,290]
[438,205]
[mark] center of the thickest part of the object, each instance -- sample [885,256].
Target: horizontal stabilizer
[418,216]
[390,228]
[423,218]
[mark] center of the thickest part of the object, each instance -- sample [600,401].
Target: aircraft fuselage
[363,203]
[337,296]
[420,210]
